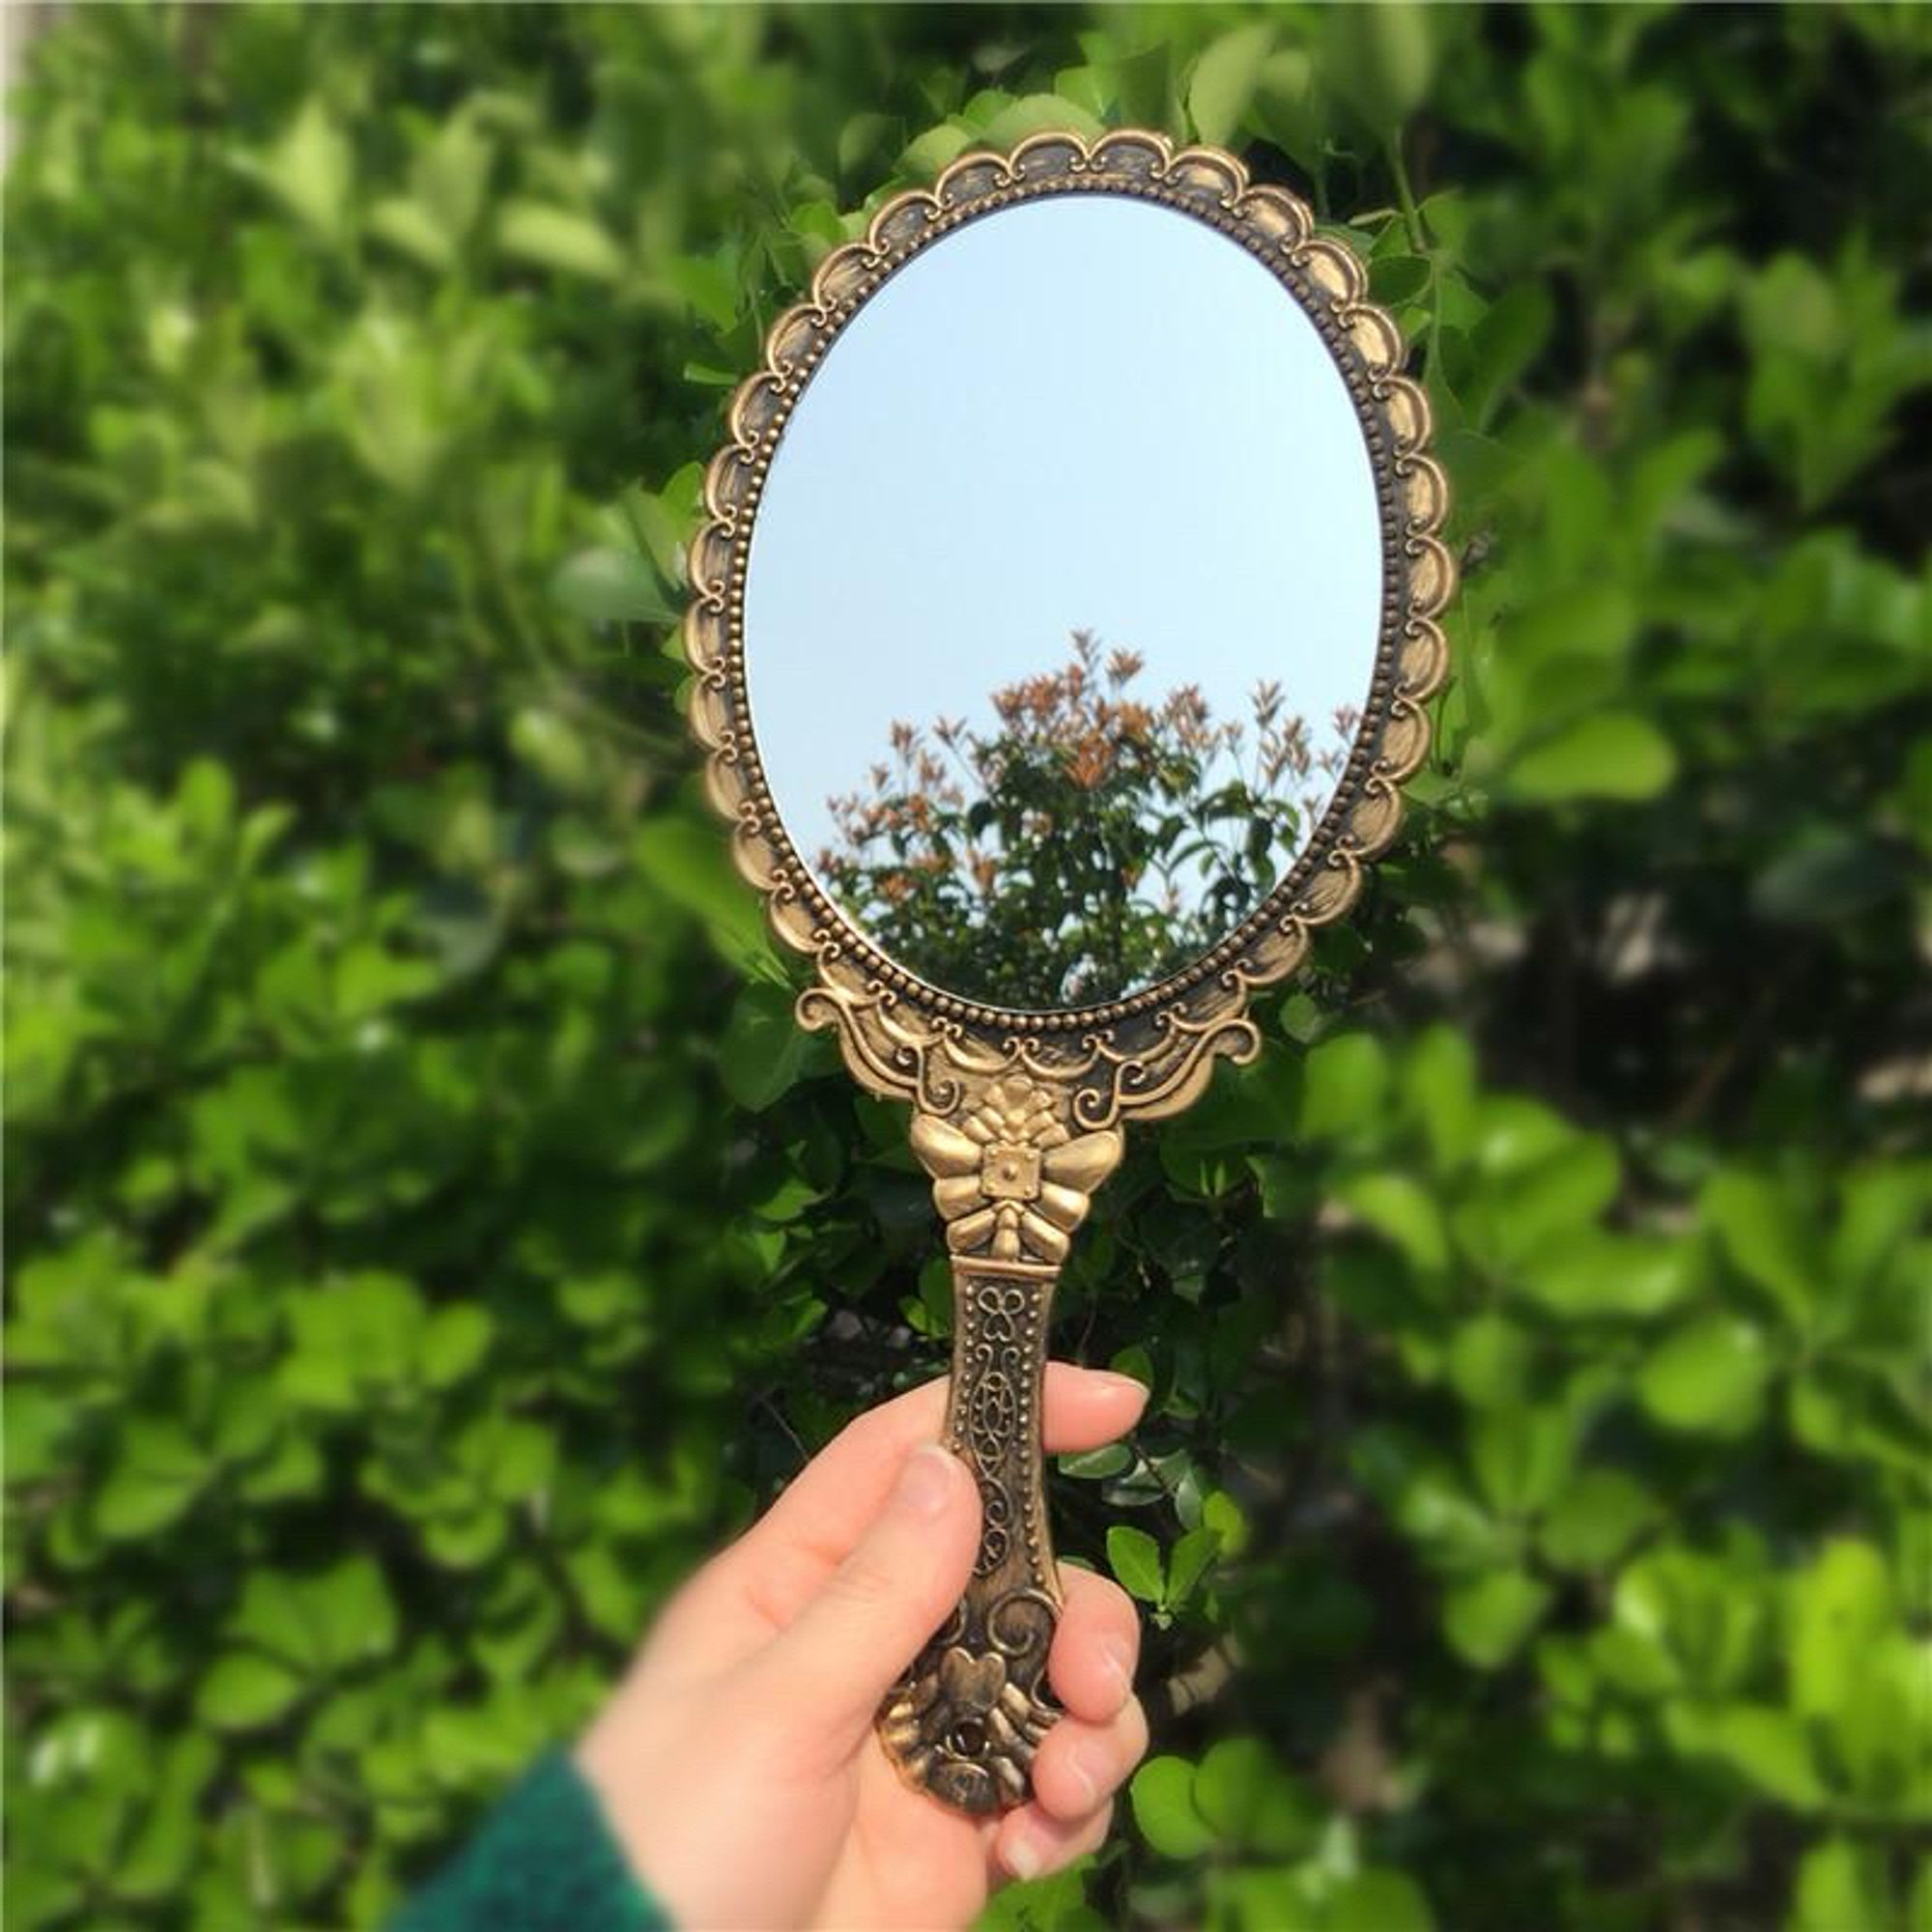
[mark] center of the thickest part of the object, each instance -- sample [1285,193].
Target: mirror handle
[963,1722]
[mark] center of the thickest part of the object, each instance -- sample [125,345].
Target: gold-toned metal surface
[1017,1116]
[1011,1182]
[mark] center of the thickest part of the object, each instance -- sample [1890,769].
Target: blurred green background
[430,1235]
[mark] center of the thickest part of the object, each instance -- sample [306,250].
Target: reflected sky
[1080,414]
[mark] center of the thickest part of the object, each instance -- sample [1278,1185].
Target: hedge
[429,1233]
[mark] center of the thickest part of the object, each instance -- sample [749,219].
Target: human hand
[737,1762]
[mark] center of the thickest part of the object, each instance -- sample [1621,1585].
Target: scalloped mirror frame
[1152,1052]
[1017,1116]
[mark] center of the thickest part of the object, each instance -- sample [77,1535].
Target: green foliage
[1094,841]
[429,1237]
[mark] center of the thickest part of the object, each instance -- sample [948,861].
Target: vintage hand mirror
[1062,636]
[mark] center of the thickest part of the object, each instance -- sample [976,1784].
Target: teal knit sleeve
[544,1861]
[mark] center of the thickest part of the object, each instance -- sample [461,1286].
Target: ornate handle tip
[964,1722]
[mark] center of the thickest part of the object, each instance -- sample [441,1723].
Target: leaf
[555,237]
[38,1425]
[1550,1204]
[1825,873]
[409,228]
[1591,621]
[606,585]
[690,863]
[1134,1558]
[1253,1800]
[1381,60]
[665,521]
[353,1602]
[293,1468]
[1396,279]
[1595,1519]
[1162,1795]
[709,284]
[1514,1135]
[1839,1606]
[368,978]
[764,1050]
[1708,1377]
[1224,81]
[1505,342]
[1397,1207]
[1438,1083]
[860,138]
[1490,1360]
[1841,1885]
[1759,1226]
[1344,1082]
[1613,754]
[1220,1513]
[311,170]
[1520,1454]
[1765,1746]
[1594,1274]
[156,1861]
[510,1457]
[1378,1901]
[244,1691]
[205,796]
[1056,1903]
[451,176]
[1700,1617]
[1288,108]
[455,1343]
[318,1623]
[1882,1206]
[929,154]
[158,1473]
[351,1336]
[1487,1619]
[1039,114]
[1188,1562]
[1792,305]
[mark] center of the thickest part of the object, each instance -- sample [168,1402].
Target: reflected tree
[1092,842]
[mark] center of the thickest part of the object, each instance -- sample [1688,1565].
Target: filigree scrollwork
[965,1720]
[997,1363]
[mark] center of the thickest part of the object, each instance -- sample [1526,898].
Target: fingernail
[926,1483]
[1084,1768]
[1121,1381]
[1119,1655]
[1021,1856]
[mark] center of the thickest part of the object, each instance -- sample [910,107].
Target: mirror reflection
[1063,601]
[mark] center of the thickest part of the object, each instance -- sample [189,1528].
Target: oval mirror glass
[1063,601]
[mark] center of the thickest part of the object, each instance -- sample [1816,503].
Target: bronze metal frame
[1017,1116]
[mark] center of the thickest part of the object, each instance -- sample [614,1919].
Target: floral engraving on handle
[1012,1181]
[964,1721]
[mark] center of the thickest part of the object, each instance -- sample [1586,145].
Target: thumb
[835,1662]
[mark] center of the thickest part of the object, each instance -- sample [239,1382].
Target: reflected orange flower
[1090,763]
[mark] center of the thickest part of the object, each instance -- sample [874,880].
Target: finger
[842,1488]
[1097,1646]
[1079,1767]
[837,1658]
[1031,1844]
